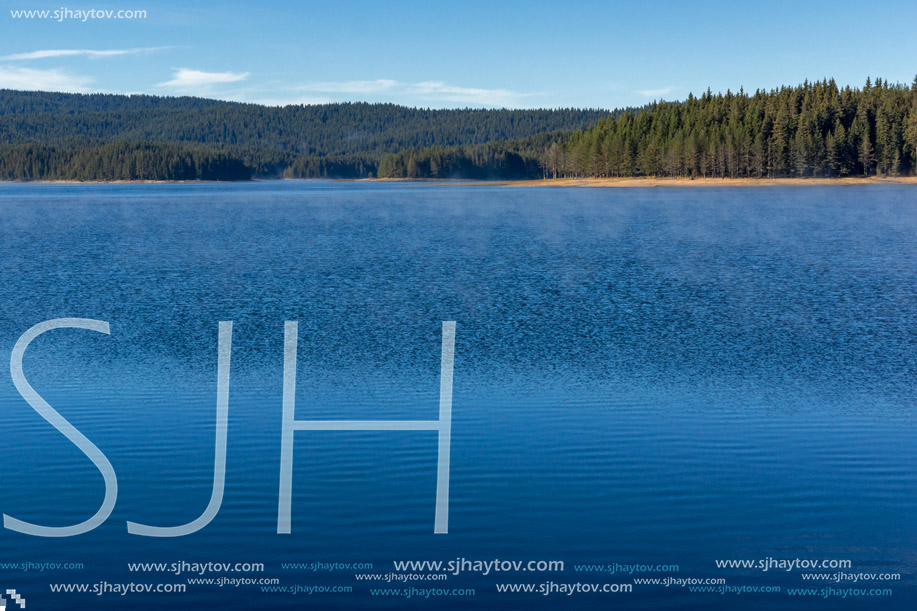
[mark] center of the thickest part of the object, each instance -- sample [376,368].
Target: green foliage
[816,129]
[491,161]
[329,140]
[119,161]
[335,166]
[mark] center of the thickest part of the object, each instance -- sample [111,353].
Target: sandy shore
[683,182]
[559,182]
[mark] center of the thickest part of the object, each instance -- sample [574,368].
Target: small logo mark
[19,600]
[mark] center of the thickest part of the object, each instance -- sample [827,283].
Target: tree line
[505,160]
[119,161]
[305,141]
[815,129]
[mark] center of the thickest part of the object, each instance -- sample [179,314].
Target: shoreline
[665,182]
[120,182]
[635,182]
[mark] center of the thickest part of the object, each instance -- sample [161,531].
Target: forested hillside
[119,161]
[301,141]
[816,129]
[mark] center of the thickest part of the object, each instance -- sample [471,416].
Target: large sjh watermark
[442,426]
[62,14]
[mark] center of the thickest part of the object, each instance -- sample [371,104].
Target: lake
[660,377]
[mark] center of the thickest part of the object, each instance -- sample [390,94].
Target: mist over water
[658,376]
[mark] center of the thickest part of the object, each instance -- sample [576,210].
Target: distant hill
[816,129]
[40,129]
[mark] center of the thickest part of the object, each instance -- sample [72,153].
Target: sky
[510,54]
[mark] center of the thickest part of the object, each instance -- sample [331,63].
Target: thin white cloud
[43,80]
[253,96]
[442,91]
[187,79]
[430,92]
[90,53]
[352,86]
[267,93]
[652,93]
[307,101]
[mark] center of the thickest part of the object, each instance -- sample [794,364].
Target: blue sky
[454,54]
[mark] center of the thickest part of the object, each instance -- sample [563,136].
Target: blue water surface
[642,377]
